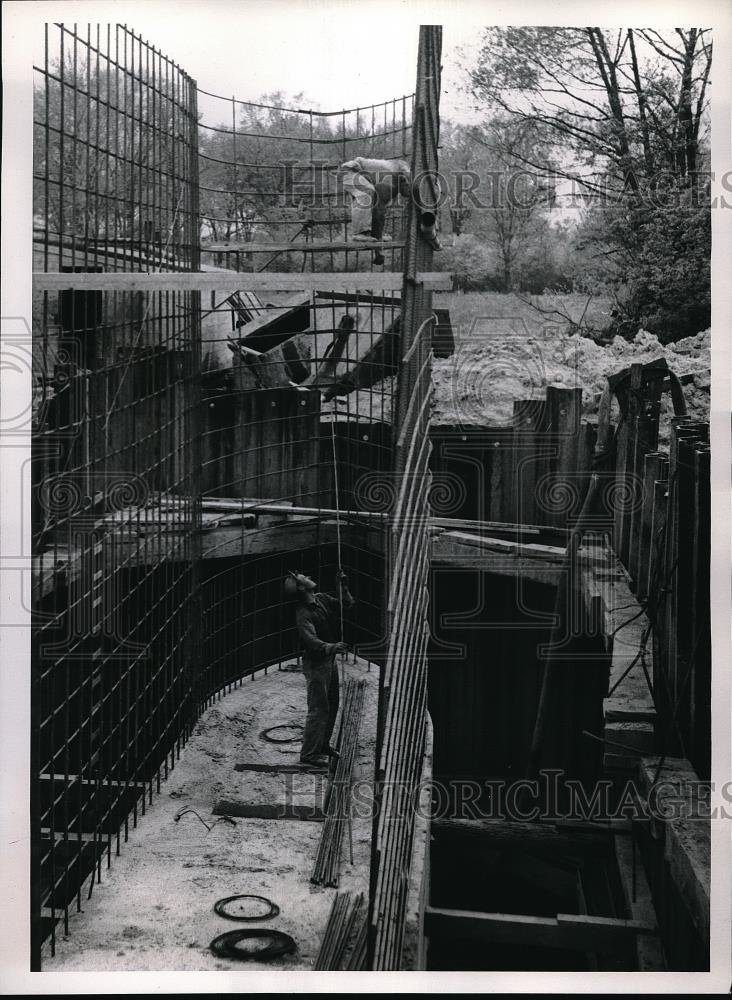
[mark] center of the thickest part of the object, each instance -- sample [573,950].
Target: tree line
[612,127]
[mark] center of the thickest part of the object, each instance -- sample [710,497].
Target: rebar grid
[115,414]
[183,458]
[403,689]
[269,180]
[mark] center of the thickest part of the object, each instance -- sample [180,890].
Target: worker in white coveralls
[373,185]
[318,618]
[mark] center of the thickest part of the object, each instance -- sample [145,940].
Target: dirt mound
[479,384]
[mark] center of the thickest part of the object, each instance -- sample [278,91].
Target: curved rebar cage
[272,193]
[298,387]
[190,447]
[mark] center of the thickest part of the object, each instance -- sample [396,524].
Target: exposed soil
[479,384]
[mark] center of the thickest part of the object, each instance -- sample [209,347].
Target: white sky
[338,53]
[342,53]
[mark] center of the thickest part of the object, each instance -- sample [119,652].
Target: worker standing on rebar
[373,185]
[318,617]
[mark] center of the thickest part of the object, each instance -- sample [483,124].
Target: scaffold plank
[196,281]
[320,246]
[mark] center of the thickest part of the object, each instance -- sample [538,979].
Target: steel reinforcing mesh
[402,714]
[160,471]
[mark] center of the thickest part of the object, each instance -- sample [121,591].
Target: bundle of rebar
[338,799]
[346,929]
[357,960]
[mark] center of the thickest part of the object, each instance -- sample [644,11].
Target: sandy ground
[153,909]
[494,366]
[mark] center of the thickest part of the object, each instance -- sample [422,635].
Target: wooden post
[564,411]
[528,417]
[658,567]
[645,440]
[630,408]
[671,582]
[700,698]
[684,578]
[655,466]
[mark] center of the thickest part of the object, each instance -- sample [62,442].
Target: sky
[338,53]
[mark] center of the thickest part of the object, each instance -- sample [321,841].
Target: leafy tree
[495,197]
[97,167]
[272,178]
[624,113]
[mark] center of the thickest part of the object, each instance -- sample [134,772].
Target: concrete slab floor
[153,910]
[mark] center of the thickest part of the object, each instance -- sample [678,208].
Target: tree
[494,196]
[272,174]
[623,106]
[625,116]
[98,167]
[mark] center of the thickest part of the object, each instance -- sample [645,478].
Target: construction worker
[318,619]
[373,185]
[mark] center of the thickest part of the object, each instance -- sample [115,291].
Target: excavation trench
[510,872]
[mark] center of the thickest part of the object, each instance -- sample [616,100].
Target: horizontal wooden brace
[577,932]
[317,246]
[229,282]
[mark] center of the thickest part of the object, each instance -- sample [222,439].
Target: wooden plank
[527,417]
[700,722]
[547,553]
[230,281]
[577,932]
[392,300]
[268,810]
[655,465]
[639,902]
[546,462]
[685,580]
[630,404]
[274,768]
[674,625]
[316,246]
[585,457]
[498,527]
[510,497]
[657,531]
[645,440]
[294,315]
[491,833]
[565,409]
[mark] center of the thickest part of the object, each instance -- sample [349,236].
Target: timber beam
[576,932]
[231,281]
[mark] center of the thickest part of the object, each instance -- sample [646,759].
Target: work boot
[379,258]
[317,763]
[429,234]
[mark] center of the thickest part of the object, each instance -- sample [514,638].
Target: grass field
[530,314]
